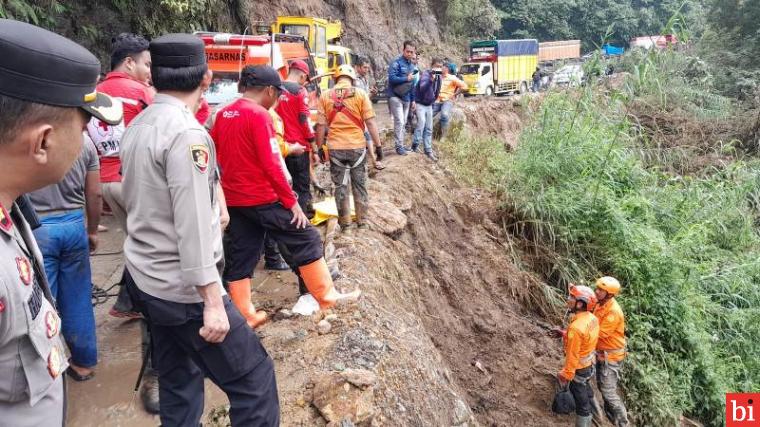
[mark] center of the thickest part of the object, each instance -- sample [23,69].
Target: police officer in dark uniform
[47,93]
[174,250]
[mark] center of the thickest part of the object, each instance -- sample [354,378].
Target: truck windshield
[223,89]
[470,68]
[298,30]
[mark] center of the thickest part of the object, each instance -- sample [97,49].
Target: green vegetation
[732,45]
[588,20]
[469,19]
[595,193]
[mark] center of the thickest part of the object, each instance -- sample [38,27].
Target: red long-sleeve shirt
[248,156]
[293,108]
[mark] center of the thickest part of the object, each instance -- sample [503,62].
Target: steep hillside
[372,27]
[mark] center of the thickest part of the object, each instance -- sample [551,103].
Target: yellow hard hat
[608,284]
[345,70]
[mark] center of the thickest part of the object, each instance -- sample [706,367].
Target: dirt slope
[442,322]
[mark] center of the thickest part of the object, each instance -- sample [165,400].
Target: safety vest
[338,96]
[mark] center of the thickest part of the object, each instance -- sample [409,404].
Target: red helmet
[585,294]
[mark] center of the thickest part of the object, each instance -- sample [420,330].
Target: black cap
[261,75]
[46,68]
[177,51]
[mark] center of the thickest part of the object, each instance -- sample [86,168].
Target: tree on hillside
[588,20]
[732,45]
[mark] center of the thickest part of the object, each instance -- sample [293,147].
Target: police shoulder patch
[199,154]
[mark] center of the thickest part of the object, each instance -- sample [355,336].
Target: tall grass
[686,248]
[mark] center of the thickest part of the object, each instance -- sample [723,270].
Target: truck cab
[319,32]
[500,66]
[479,78]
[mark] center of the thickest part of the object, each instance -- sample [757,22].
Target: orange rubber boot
[240,293]
[318,281]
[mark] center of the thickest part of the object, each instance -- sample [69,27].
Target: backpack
[564,402]
[427,89]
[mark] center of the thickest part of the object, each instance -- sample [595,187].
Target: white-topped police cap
[43,67]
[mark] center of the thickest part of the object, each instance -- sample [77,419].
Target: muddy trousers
[239,365]
[350,167]
[582,392]
[607,378]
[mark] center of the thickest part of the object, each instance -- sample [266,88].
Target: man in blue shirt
[401,74]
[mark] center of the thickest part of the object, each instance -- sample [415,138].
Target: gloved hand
[323,154]
[562,381]
[379,153]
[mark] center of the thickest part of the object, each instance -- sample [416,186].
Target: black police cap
[46,68]
[177,51]
[261,75]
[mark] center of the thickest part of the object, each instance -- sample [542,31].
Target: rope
[100,295]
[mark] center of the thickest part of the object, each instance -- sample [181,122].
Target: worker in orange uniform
[344,112]
[580,340]
[610,349]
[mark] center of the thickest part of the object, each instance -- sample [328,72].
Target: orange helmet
[585,294]
[608,284]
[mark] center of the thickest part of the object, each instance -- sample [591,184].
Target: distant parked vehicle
[569,76]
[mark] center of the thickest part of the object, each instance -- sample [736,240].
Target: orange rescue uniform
[346,130]
[580,342]
[611,331]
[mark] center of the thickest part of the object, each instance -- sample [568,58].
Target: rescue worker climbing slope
[47,95]
[259,198]
[580,340]
[610,349]
[344,111]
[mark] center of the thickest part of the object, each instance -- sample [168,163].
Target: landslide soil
[447,322]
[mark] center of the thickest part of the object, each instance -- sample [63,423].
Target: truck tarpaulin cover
[517,47]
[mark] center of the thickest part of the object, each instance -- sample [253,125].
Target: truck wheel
[523,88]
[489,91]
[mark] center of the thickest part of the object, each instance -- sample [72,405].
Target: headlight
[476,85]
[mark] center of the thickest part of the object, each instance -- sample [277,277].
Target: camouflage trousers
[349,167]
